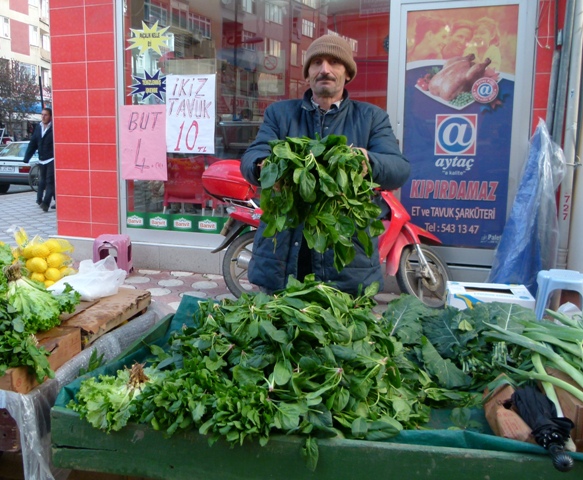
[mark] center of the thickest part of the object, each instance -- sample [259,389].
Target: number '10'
[189,134]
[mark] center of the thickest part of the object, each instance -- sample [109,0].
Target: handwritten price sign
[190,113]
[143,153]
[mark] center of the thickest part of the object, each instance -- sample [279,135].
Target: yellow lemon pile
[47,260]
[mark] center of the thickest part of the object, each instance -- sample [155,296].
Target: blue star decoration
[151,85]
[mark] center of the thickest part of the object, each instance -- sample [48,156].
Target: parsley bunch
[321,184]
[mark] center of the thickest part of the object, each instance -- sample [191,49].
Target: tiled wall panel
[82,47]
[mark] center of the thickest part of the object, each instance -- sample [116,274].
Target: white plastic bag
[94,280]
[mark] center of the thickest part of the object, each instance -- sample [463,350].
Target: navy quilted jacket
[365,125]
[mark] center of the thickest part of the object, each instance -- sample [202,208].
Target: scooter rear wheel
[411,280]
[235,263]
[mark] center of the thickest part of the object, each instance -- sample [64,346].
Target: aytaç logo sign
[455,134]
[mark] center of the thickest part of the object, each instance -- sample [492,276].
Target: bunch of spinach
[456,346]
[312,360]
[320,183]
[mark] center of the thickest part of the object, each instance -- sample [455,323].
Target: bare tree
[19,93]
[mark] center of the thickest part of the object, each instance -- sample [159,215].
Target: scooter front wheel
[413,280]
[235,264]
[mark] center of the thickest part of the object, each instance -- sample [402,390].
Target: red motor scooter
[405,247]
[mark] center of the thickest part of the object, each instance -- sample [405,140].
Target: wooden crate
[63,343]
[109,313]
[90,321]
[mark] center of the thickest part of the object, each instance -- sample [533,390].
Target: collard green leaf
[444,369]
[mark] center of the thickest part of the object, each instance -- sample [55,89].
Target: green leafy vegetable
[455,346]
[320,183]
[106,402]
[312,361]
[37,309]
[26,308]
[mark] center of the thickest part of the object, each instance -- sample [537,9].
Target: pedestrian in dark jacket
[325,109]
[42,140]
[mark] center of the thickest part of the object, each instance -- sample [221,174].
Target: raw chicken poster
[459,93]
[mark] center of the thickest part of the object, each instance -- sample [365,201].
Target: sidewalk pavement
[167,287]
[20,209]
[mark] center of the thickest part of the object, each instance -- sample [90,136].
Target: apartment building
[25,38]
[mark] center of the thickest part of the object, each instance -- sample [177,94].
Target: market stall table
[138,450]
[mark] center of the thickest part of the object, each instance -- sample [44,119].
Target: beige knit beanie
[333,46]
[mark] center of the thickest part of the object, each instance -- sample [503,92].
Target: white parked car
[12,168]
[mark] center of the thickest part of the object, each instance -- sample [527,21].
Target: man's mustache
[325,77]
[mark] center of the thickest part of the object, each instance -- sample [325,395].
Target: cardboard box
[463,294]
[505,422]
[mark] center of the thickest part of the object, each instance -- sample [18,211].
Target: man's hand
[364,165]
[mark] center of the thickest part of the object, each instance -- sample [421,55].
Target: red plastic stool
[120,246]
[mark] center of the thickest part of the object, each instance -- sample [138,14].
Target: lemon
[48,283]
[39,277]
[53,274]
[40,251]
[56,259]
[67,271]
[27,251]
[36,265]
[58,245]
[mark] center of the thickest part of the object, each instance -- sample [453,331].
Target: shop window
[255,50]
[274,13]
[198,23]
[248,40]
[44,7]
[311,3]
[27,69]
[5,27]
[296,32]
[46,76]
[33,35]
[308,28]
[180,15]
[293,54]
[46,43]
[248,6]
[154,12]
[272,47]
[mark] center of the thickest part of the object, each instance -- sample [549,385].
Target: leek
[548,378]
[546,351]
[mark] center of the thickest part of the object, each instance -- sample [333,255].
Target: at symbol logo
[455,134]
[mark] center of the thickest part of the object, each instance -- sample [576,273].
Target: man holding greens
[326,109]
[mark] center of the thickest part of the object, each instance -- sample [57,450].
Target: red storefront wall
[84,109]
[83,63]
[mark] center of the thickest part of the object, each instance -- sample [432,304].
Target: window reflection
[256,48]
